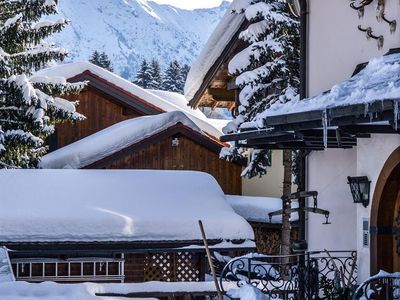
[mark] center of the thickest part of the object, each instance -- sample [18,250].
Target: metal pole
[203,234]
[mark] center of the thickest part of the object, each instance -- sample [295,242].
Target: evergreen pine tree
[143,76]
[30,105]
[105,62]
[95,58]
[172,79]
[155,75]
[102,60]
[267,73]
[184,73]
[267,70]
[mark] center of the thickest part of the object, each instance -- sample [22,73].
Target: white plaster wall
[371,157]
[328,171]
[336,46]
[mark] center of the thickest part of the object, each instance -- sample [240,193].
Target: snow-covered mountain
[130,30]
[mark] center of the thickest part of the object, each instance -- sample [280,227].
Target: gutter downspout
[303,94]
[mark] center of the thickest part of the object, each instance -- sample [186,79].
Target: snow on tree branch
[267,70]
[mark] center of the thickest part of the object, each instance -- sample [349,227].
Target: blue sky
[191,4]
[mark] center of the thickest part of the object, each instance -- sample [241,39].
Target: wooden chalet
[115,225]
[109,100]
[209,83]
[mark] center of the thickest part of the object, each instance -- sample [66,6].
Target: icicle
[396,113]
[325,127]
[366,109]
[371,117]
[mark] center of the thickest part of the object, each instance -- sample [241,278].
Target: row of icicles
[325,118]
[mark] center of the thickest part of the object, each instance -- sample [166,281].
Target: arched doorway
[385,218]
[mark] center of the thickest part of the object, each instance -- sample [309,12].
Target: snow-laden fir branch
[267,70]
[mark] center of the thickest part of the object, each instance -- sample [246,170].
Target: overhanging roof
[363,105]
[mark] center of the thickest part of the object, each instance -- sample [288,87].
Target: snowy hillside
[130,30]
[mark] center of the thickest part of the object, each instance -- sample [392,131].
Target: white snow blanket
[162,101]
[108,141]
[256,209]
[248,292]
[118,205]
[222,35]
[6,273]
[88,291]
[379,80]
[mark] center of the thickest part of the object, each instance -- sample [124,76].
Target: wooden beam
[222,94]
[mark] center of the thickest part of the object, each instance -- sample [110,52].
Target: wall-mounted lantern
[360,189]
[294,7]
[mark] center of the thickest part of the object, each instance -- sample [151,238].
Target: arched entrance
[385,218]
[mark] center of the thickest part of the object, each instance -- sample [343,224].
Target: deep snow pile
[88,291]
[256,209]
[119,205]
[6,273]
[116,26]
[108,141]
[248,292]
[379,80]
[163,100]
[44,291]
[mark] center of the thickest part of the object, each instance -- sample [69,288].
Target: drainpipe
[303,94]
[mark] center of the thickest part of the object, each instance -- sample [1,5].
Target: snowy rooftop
[108,141]
[378,81]
[256,209]
[114,206]
[164,101]
[222,35]
[6,273]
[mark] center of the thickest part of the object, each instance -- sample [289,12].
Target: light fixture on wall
[294,7]
[175,142]
[360,189]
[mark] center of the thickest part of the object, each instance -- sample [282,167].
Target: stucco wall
[335,48]
[269,185]
[328,171]
[371,157]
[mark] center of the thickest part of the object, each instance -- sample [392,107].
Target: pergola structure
[305,130]
[334,119]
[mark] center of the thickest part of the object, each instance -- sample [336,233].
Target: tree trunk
[286,201]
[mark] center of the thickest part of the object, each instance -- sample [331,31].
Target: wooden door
[396,235]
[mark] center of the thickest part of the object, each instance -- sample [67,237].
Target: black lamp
[360,188]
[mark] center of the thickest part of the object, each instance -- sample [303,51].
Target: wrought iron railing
[382,286]
[294,277]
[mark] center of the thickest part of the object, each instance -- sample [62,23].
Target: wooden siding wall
[187,156]
[100,112]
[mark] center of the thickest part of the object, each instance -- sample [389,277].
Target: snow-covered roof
[378,81]
[164,101]
[216,44]
[114,206]
[256,209]
[106,142]
[6,273]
